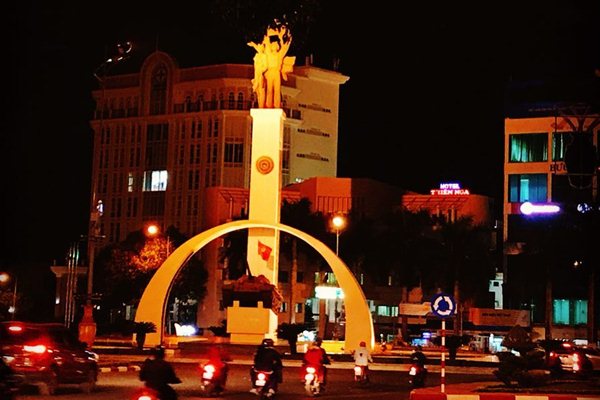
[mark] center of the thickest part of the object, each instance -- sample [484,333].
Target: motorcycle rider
[267,358]
[317,356]
[418,357]
[218,357]
[157,373]
[362,358]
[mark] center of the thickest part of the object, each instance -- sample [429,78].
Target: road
[386,383]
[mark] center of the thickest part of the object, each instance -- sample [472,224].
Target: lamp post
[4,278]
[338,222]
[87,326]
[153,230]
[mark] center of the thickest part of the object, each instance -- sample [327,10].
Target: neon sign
[450,189]
[528,208]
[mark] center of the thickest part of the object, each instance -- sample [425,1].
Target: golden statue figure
[271,64]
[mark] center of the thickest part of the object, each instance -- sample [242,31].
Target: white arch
[359,323]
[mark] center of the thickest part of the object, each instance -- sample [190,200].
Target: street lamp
[338,222]
[4,278]
[87,326]
[153,230]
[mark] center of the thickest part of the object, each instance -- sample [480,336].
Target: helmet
[267,342]
[158,351]
[318,341]
[363,344]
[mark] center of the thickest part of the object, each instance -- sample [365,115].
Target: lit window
[155,181]
[130,182]
[528,147]
[528,187]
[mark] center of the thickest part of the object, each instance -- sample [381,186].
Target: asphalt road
[385,384]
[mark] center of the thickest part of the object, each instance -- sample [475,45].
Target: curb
[498,396]
[115,368]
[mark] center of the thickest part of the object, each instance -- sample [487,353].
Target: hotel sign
[450,189]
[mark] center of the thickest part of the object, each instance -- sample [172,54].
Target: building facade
[165,134]
[549,165]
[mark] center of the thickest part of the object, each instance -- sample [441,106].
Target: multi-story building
[166,133]
[539,146]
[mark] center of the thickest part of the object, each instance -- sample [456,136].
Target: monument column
[265,190]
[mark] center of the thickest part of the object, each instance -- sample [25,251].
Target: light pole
[87,326]
[4,278]
[338,222]
[153,230]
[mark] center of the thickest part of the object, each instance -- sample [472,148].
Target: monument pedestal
[250,325]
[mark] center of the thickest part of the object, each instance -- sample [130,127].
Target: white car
[581,360]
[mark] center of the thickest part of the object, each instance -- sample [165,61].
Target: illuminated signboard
[328,292]
[450,189]
[528,208]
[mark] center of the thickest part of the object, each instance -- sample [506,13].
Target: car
[47,355]
[582,360]
[558,353]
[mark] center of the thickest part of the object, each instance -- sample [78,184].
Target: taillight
[261,376]
[145,397]
[576,366]
[15,328]
[209,368]
[358,370]
[311,370]
[552,354]
[209,371]
[37,349]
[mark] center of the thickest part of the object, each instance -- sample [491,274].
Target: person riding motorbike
[317,357]
[362,358]
[418,357]
[267,358]
[218,358]
[157,373]
[417,371]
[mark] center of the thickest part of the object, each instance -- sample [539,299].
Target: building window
[155,181]
[300,276]
[283,307]
[158,90]
[234,152]
[569,312]
[283,276]
[527,187]
[240,101]
[562,141]
[130,182]
[299,308]
[532,147]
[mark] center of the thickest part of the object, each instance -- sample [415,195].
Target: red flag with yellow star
[264,251]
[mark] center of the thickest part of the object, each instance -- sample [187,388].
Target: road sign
[443,305]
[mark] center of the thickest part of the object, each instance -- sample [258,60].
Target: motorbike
[145,393]
[312,380]
[213,380]
[417,374]
[360,374]
[263,383]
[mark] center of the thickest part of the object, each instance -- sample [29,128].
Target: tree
[299,215]
[125,268]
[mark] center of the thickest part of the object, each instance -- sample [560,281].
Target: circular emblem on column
[264,165]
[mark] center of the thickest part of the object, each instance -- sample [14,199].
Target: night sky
[428,91]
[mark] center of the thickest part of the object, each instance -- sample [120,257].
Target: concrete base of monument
[250,325]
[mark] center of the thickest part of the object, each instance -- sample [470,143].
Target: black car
[47,355]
